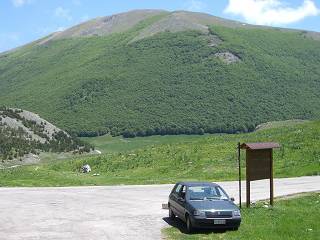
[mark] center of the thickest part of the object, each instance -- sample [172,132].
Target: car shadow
[181,226]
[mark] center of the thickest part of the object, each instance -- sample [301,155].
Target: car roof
[190,184]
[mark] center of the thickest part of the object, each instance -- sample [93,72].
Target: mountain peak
[159,21]
[163,21]
[107,25]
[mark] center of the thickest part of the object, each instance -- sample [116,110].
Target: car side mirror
[181,199]
[232,199]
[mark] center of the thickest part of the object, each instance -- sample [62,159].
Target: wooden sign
[259,165]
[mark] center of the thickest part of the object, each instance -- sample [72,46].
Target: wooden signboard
[259,164]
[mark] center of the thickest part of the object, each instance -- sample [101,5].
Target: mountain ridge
[133,17]
[152,80]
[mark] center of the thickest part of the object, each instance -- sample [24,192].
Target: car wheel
[171,214]
[189,225]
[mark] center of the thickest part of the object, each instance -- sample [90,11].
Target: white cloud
[42,30]
[271,12]
[60,29]
[48,30]
[63,13]
[20,3]
[76,2]
[195,5]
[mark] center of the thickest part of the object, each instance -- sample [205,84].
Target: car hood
[213,205]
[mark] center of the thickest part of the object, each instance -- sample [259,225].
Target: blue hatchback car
[203,205]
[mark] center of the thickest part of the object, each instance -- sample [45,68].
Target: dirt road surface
[111,212]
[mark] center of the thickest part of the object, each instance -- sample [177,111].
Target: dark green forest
[170,83]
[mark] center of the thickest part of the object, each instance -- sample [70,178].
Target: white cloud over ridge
[195,5]
[63,13]
[271,12]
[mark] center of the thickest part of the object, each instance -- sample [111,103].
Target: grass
[290,219]
[279,124]
[210,158]
[109,144]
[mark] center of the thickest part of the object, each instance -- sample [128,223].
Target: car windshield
[207,193]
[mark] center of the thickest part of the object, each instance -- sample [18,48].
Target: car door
[181,202]
[174,205]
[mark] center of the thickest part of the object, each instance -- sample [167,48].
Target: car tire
[172,216]
[235,229]
[189,225]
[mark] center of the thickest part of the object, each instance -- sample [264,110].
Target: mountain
[151,72]
[24,134]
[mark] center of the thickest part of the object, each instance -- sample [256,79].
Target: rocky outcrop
[227,57]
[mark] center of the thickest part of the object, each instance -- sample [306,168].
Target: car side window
[182,192]
[218,192]
[178,188]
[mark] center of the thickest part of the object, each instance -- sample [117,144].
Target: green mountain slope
[168,73]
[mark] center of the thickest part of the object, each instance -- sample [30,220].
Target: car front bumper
[209,223]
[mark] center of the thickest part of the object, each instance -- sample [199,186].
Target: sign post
[239,166]
[259,165]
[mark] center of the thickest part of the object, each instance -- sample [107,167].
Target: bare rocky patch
[311,35]
[171,22]
[212,40]
[45,130]
[24,135]
[48,128]
[104,26]
[175,22]
[227,57]
[17,124]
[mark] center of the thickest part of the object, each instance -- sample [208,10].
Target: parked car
[203,205]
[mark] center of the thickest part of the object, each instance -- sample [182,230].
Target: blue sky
[22,21]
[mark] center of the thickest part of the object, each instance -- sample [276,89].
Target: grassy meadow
[167,159]
[290,219]
[109,144]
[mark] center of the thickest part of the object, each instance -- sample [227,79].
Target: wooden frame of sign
[259,165]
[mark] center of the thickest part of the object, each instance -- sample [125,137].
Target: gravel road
[112,212]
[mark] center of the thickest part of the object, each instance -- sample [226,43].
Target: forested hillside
[149,79]
[23,132]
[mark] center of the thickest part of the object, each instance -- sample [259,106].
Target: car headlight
[236,213]
[199,213]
